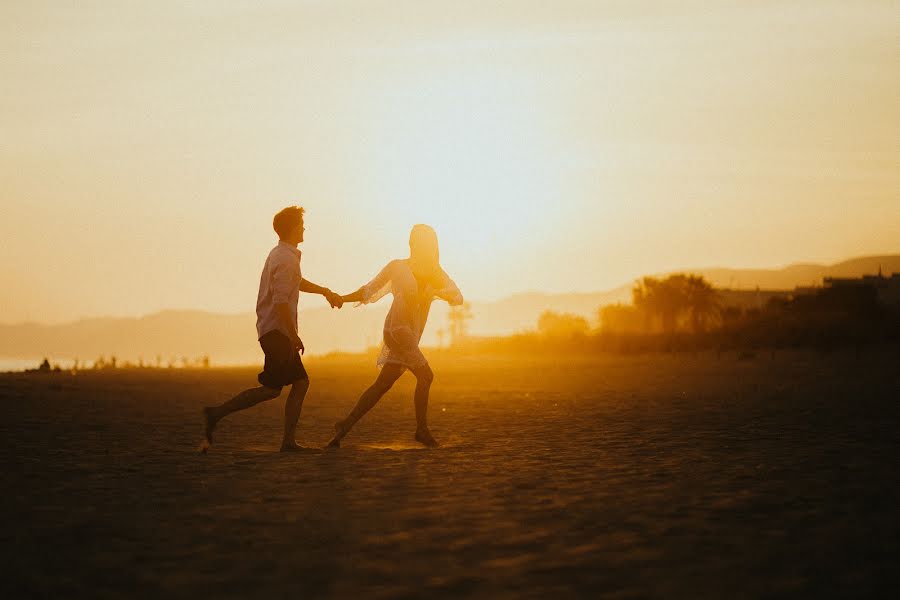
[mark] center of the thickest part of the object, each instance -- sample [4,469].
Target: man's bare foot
[290,447]
[424,437]
[210,419]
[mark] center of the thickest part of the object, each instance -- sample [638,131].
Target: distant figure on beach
[415,282]
[276,324]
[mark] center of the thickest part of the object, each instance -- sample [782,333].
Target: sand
[620,477]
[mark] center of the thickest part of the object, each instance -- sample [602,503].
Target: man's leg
[424,377]
[390,373]
[292,407]
[245,399]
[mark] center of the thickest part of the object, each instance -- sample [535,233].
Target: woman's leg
[424,377]
[390,373]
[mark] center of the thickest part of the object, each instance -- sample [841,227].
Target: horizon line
[478,301]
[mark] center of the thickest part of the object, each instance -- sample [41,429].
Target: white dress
[406,319]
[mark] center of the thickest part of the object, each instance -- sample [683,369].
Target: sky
[564,146]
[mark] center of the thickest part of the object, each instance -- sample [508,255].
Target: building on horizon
[887,288]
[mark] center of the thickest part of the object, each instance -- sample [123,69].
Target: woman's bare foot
[424,437]
[339,434]
[209,417]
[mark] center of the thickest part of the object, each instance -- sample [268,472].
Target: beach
[661,476]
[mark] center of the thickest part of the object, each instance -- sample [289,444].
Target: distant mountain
[789,277]
[227,339]
[170,335]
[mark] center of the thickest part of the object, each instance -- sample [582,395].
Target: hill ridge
[229,337]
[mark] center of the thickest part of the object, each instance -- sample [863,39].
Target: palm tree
[458,318]
[666,298]
[645,297]
[703,301]
[675,296]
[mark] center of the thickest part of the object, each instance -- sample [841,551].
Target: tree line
[102,363]
[685,312]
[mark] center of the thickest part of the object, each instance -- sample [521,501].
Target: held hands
[334,300]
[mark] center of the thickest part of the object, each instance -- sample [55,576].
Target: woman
[415,282]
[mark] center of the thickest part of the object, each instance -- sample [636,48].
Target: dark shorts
[283,365]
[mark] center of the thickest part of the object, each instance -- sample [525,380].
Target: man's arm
[283,312]
[311,288]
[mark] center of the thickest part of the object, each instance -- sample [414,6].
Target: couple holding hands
[414,282]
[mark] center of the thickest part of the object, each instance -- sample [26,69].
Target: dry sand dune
[650,476]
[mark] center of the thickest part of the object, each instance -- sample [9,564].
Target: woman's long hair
[424,254]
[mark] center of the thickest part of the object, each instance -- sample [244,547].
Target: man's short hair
[286,220]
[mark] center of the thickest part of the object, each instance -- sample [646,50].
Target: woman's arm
[356,296]
[375,289]
[449,292]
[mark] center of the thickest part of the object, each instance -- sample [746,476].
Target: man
[276,324]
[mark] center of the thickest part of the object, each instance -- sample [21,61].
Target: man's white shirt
[278,284]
